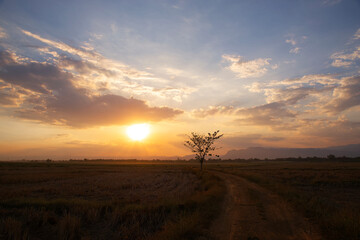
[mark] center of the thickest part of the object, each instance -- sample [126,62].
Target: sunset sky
[75,74]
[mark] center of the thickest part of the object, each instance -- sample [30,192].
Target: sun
[138,132]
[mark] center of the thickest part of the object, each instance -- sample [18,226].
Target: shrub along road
[252,212]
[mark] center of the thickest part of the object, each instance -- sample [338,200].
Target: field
[325,192]
[105,200]
[174,200]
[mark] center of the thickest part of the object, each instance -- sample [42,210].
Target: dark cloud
[273,139]
[248,140]
[53,98]
[6,58]
[292,95]
[272,114]
[345,96]
[103,86]
[340,130]
[8,97]
[243,141]
[267,114]
[83,67]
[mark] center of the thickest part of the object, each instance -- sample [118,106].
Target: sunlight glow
[138,132]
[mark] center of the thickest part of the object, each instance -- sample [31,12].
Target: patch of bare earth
[251,212]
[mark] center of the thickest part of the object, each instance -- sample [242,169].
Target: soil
[251,212]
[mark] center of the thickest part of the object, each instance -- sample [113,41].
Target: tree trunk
[201,163]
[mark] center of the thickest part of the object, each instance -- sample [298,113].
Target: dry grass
[106,200]
[134,183]
[13,229]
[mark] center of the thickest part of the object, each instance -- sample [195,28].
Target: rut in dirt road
[251,212]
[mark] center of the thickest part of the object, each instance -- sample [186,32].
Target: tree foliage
[201,145]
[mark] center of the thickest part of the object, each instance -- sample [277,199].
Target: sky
[75,74]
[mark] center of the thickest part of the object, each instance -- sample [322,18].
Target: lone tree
[202,144]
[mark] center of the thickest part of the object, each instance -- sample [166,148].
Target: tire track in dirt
[251,212]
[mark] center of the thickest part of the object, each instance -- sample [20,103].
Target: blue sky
[269,67]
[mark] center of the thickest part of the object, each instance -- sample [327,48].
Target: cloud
[83,67]
[273,139]
[242,141]
[346,96]
[3,33]
[349,57]
[323,93]
[291,41]
[213,110]
[331,2]
[291,100]
[89,59]
[332,131]
[8,97]
[355,54]
[311,79]
[357,34]
[96,36]
[52,97]
[343,59]
[294,43]
[288,91]
[341,63]
[293,90]
[275,66]
[247,69]
[114,28]
[295,50]
[271,114]
[62,46]
[92,68]
[174,71]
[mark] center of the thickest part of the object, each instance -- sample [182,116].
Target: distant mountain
[352,150]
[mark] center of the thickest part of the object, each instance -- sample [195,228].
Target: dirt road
[251,212]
